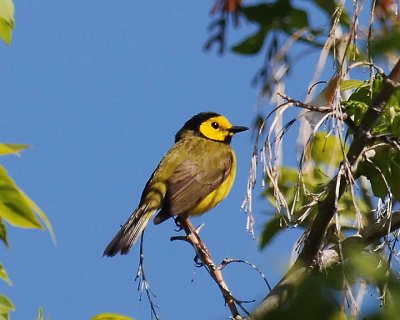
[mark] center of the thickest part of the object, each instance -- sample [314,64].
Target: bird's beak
[236,129]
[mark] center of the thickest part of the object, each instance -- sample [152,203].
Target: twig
[143,284]
[389,139]
[227,261]
[205,257]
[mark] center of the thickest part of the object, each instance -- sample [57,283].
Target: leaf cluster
[305,188]
[382,165]
[6,20]
[17,209]
[367,198]
[319,293]
[270,17]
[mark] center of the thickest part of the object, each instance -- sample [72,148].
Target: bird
[194,176]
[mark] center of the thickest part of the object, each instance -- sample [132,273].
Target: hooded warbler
[193,177]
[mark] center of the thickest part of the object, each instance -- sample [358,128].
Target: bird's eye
[215,125]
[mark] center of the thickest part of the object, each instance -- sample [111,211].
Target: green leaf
[110,316]
[330,6]
[395,177]
[12,148]
[295,19]
[265,13]
[368,264]
[252,44]
[326,149]
[4,275]
[351,84]
[389,41]
[3,233]
[13,206]
[6,20]
[40,213]
[362,97]
[273,14]
[271,229]
[383,172]
[40,315]
[276,15]
[312,299]
[371,171]
[6,306]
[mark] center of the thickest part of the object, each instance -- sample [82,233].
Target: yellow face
[216,128]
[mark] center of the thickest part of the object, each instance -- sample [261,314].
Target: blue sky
[98,89]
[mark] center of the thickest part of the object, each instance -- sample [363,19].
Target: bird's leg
[177,223]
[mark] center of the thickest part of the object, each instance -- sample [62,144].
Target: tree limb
[367,237]
[327,208]
[298,272]
[375,231]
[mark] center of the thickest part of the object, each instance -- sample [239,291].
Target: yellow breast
[218,194]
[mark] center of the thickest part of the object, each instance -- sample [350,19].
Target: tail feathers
[129,232]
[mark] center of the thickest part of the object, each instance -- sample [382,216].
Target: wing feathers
[192,181]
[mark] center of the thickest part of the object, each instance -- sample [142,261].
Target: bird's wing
[189,184]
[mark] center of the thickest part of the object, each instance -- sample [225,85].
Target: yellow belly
[218,194]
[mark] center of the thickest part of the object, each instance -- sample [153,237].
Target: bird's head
[209,125]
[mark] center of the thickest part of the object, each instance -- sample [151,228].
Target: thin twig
[143,284]
[227,261]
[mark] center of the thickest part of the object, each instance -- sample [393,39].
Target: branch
[375,231]
[144,284]
[205,257]
[368,236]
[298,272]
[327,208]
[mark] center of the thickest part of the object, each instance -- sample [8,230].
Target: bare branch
[227,261]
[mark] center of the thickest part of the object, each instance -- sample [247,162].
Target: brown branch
[297,274]
[375,231]
[205,257]
[327,208]
[319,109]
[367,237]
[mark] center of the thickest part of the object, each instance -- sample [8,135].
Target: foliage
[6,20]
[17,209]
[382,167]
[361,206]
[6,306]
[40,315]
[349,167]
[345,187]
[278,23]
[110,316]
[279,15]
[318,294]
